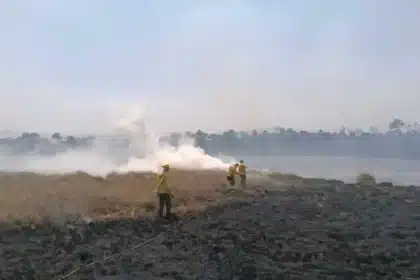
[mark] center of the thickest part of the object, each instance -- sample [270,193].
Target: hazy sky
[73,65]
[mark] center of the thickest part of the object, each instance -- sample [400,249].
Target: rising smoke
[143,152]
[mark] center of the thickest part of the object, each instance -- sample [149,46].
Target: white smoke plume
[144,153]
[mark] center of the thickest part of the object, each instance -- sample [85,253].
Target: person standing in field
[164,192]
[232,172]
[242,173]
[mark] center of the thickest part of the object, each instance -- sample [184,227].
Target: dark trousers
[164,201]
[231,179]
[243,180]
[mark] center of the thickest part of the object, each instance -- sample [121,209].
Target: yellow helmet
[165,165]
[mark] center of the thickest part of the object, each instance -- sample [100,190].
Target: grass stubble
[283,225]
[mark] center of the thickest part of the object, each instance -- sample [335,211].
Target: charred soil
[290,229]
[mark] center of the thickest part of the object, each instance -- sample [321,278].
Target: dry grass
[34,197]
[284,176]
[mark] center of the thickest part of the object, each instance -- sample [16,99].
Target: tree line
[396,127]
[400,138]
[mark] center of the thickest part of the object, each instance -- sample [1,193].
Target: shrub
[365,179]
[284,176]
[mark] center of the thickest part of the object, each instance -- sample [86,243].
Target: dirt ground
[291,228]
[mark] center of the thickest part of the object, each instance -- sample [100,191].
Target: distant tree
[323,133]
[396,124]
[200,133]
[25,135]
[71,140]
[229,137]
[200,138]
[56,136]
[229,134]
[30,135]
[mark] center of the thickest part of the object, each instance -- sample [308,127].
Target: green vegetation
[365,179]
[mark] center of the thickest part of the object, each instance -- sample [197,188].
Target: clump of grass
[284,176]
[365,179]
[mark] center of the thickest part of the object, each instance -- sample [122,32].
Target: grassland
[30,197]
[282,227]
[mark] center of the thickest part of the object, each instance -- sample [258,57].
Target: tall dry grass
[34,197]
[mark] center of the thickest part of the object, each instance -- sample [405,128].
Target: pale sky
[73,65]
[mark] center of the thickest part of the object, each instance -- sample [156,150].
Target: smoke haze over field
[76,66]
[70,66]
[142,152]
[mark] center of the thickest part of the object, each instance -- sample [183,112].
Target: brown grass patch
[286,178]
[34,197]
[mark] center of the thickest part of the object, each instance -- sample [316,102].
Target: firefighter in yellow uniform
[232,172]
[164,192]
[242,173]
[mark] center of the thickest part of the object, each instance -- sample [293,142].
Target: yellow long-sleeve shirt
[162,183]
[232,170]
[242,169]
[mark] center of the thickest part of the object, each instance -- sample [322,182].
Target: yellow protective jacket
[232,170]
[162,184]
[242,169]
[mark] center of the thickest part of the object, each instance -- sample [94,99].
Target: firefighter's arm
[160,179]
[169,188]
